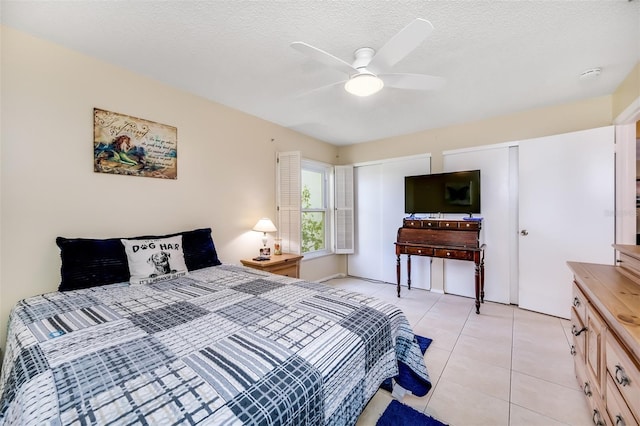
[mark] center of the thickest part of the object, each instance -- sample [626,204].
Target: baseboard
[330,277]
[436,290]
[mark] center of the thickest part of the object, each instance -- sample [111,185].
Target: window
[325,206]
[315,209]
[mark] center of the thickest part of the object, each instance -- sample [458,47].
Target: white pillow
[155,259]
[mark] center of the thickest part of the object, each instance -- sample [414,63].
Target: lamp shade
[265,225]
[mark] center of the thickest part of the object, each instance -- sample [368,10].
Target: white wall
[226,172]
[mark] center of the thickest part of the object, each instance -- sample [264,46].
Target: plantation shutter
[288,193]
[344,212]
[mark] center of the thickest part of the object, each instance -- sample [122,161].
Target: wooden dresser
[443,238]
[605,323]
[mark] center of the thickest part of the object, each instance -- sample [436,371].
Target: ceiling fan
[370,70]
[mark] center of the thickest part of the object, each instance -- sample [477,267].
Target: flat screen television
[456,192]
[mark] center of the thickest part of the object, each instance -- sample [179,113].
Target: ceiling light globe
[364,84]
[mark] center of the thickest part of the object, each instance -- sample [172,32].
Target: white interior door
[566,213]
[495,164]
[366,261]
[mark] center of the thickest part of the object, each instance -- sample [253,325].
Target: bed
[217,344]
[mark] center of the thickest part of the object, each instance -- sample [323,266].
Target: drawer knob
[448,254]
[429,223]
[621,377]
[576,302]
[576,332]
[446,224]
[620,421]
[597,418]
[587,389]
[419,251]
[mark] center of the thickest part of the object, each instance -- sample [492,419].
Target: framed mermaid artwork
[126,145]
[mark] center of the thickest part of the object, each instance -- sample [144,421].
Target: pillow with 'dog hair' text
[155,260]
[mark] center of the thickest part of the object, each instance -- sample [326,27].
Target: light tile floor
[506,366]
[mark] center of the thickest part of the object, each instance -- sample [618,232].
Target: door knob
[524,232]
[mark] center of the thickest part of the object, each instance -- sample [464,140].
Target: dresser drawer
[454,254]
[595,335]
[579,336]
[629,262]
[579,303]
[617,409]
[420,251]
[625,374]
[590,391]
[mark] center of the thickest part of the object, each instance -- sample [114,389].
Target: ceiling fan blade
[413,81]
[400,45]
[323,57]
[318,89]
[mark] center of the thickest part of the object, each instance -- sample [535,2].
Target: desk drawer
[454,254]
[420,251]
[470,225]
[288,270]
[409,223]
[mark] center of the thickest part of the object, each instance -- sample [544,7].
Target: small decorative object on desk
[277,246]
[265,252]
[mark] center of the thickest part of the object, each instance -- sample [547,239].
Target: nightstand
[286,264]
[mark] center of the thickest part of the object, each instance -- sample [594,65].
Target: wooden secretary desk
[442,238]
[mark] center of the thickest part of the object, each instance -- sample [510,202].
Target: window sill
[317,254]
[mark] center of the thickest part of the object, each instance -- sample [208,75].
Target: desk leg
[478,286]
[409,271]
[398,273]
[482,279]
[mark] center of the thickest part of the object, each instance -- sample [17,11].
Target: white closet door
[494,164]
[379,201]
[393,173]
[566,213]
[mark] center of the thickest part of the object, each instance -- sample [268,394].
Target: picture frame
[132,146]
[265,252]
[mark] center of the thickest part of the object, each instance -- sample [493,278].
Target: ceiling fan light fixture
[363,84]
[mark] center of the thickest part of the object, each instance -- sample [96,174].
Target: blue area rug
[387,385]
[398,414]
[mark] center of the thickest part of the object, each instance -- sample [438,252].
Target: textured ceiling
[498,57]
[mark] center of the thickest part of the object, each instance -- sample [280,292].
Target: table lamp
[264,225]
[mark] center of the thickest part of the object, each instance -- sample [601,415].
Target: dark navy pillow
[90,262]
[95,262]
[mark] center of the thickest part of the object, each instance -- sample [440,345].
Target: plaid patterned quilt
[223,345]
